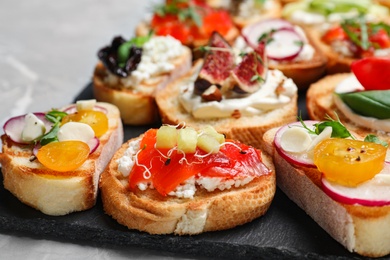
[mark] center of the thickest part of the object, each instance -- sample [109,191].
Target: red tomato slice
[333,34]
[381,38]
[166,174]
[373,72]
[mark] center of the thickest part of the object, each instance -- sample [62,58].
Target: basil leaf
[338,129]
[55,116]
[51,136]
[374,139]
[374,103]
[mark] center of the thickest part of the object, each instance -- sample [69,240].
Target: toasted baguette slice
[320,103]
[336,63]
[59,193]
[360,229]
[137,105]
[305,72]
[274,11]
[246,129]
[208,211]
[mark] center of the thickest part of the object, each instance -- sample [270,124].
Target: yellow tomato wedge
[349,162]
[63,156]
[96,119]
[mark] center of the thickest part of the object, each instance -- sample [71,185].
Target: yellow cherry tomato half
[63,156]
[349,162]
[96,119]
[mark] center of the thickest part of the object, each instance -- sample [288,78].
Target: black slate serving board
[284,232]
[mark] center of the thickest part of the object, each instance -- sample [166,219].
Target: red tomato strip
[234,159]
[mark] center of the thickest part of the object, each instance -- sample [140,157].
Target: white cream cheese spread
[277,91]
[158,56]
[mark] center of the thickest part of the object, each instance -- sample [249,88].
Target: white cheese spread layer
[277,91]
[158,56]
[351,84]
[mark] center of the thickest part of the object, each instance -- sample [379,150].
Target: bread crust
[360,229]
[137,106]
[320,103]
[305,72]
[246,129]
[151,212]
[59,193]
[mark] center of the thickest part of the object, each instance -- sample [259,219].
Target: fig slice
[218,62]
[250,74]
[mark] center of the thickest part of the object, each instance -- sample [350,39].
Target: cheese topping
[158,55]
[277,91]
[351,84]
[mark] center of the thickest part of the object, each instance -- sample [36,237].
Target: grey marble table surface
[48,52]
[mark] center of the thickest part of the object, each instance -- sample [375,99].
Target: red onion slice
[13,128]
[286,44]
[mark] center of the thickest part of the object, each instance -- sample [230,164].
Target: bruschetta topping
[168,157]
[190,20]
[358,38]
[138,60]
[365,96]
[54,134]
[351,169]
[321,12]
[284,42]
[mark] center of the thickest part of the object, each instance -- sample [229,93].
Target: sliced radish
[73,109]
[13,128]
[37,146]
[254,31]
[375,192]
[286,44]
[300,159]
[93,144]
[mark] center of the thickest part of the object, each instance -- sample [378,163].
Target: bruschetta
[340,179]
[52,160]
[178,180]
[130,73]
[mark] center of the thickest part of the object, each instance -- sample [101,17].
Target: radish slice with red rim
[254,31]
[93,144]
[13,128]
[299,159]
[286,44]
[73,109]
[374,192]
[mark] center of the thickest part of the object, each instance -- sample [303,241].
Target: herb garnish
[191,12]
[339,130]
[55,117]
